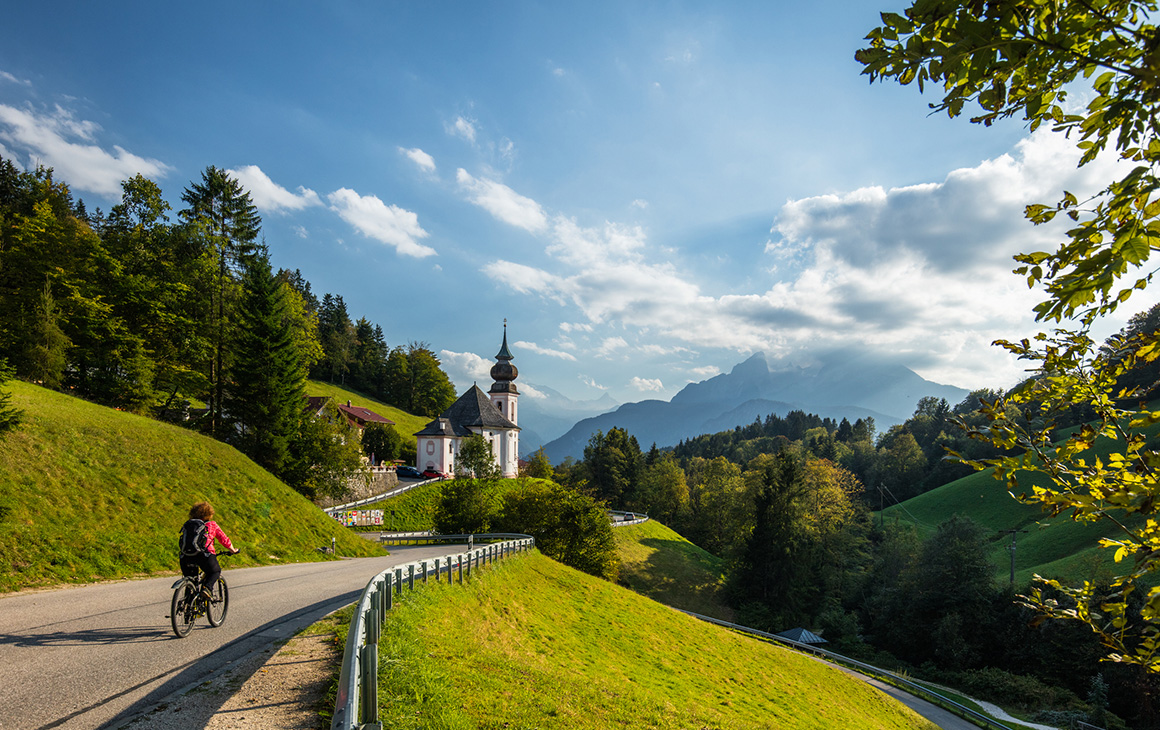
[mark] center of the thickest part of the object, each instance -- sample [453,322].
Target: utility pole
[1011,547]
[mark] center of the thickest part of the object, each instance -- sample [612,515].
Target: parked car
[629,517]
[409,472]
[436,474]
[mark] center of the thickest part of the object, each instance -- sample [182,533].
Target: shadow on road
[119,635]
[225,658]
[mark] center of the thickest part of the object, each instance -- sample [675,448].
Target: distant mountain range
[549,414]
[839,385]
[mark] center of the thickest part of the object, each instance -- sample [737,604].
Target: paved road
[98,656]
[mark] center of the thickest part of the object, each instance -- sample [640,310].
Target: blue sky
[648,192]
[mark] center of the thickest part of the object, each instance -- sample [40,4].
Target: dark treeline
[184,319]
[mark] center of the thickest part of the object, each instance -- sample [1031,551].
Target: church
[492,415]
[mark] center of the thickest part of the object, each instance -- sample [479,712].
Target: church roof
[473,410]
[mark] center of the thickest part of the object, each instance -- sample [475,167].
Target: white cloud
[640,203]
[301,232]
[533,347]
[706,371]
[5,76]
[922,271]
[59,140]
[269,196]
[529,391]
[462,127]
[465,368]
[646,384]
[503,203]
[388,224]
[422,160]
[610,346]
[591,383]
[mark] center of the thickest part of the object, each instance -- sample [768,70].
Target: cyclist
[198,535]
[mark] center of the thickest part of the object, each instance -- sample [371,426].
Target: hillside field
[90,493]
[657,562]
[532,643]
[1056,547]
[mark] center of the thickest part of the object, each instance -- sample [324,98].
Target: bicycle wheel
[181,609]
[219,603]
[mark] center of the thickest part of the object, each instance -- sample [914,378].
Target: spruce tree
[266,387]
[231,224]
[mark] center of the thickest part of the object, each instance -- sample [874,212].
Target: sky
[648,193]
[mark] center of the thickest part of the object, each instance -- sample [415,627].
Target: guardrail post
[460,570]
[369,686]
[438,570]
[390,595]
[424,571]
[374,626]
[411,576]
[398,580]
[450,576]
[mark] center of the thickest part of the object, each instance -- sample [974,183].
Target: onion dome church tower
[491,415]
[503,391]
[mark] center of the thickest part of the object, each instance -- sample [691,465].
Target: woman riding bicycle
[196,543]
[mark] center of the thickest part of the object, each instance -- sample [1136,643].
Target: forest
[180,316]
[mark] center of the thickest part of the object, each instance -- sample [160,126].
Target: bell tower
[503,393]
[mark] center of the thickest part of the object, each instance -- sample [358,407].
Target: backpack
[193,538]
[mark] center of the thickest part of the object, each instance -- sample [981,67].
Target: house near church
[493,415]
[357,417]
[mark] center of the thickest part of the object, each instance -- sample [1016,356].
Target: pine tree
[265,392]
[231,223]
[10,416]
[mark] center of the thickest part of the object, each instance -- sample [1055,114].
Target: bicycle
[189,604]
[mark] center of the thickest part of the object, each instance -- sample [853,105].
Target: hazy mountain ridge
[838,385]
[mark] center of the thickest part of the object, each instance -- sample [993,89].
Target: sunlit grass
[658,563]
[534,644]
[88,493]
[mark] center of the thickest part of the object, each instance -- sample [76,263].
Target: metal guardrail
[638,518]
[377,498]
[913,688]
[357,705]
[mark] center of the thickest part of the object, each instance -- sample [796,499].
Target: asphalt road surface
[99,656]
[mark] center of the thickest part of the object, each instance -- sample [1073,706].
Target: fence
[357,704]
[902,683]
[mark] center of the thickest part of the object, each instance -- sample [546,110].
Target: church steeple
[503,372]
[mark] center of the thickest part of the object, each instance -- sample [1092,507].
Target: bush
[570,527]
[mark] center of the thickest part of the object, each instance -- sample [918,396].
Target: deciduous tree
[1022,58]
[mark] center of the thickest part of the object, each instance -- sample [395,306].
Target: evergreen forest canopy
[137,311]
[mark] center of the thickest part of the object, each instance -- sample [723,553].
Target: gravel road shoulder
[281,688]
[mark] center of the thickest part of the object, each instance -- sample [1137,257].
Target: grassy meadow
[534,644]
[658,563]
[1056,547]
[90,493]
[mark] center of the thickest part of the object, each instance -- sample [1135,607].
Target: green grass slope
[1053,547]
[658,563]
[532,643]
[406,425]
[89,493]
